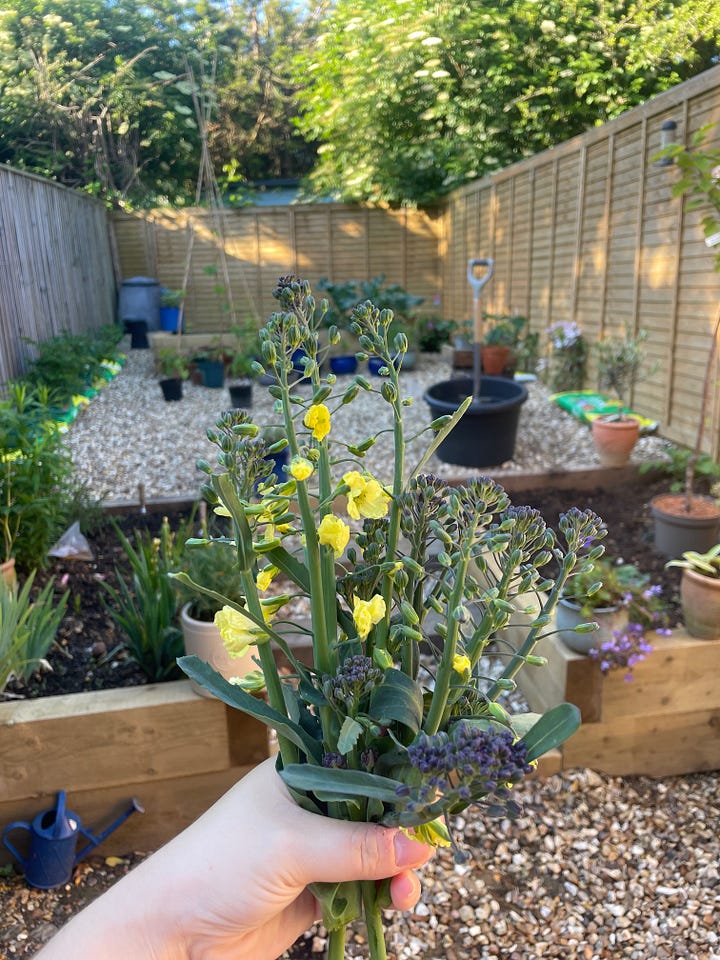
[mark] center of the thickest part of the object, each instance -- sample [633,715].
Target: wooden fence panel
[589,232]
[56,270]
[333,241]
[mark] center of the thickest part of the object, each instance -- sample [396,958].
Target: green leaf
[397,698]
[203,673]
[349,733]
[350,783]
[552,729]
[441,434]
[340,902]
[521,723]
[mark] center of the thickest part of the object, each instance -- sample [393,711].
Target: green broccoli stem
[336,944]
[373,920]
[381,634]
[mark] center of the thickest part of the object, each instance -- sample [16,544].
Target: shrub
[35,478]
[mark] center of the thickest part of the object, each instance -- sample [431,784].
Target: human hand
[234,884]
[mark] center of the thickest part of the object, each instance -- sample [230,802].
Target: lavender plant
[373,731]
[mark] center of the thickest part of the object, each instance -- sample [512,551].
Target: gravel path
[595,867]
[130,435]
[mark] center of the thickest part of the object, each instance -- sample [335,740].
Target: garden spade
[477,283]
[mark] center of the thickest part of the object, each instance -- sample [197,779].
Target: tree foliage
[253,133]
[104,94]
[409,99]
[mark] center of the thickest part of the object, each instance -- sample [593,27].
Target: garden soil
[89,656]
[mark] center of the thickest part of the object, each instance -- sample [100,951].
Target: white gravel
[129,435]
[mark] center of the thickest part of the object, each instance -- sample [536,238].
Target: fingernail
[409,852]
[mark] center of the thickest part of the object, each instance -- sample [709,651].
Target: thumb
[334,850]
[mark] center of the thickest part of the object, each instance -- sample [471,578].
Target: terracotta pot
[700,598]
[568,615]
[7,571]
[202,639]
[494,360]
[678,530]
[614,440]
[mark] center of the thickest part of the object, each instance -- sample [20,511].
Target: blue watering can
[54,835]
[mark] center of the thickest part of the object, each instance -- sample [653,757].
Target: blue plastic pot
[375,364]
[170,319]
[213,373]
[343,364]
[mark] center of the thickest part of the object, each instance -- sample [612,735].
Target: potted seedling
[240,360]
[240,374]
[622,363]
[201,634]
[497,352]
[700,592]
[211,362]
[172,368]
[610,596]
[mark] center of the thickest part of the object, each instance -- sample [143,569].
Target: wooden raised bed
[665,722]
[175,751]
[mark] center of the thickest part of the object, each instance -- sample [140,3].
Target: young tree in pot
[621,364]
[687,521]
[172,368]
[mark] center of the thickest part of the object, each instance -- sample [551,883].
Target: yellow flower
[266,576]
[237,631]
[366,498]
[366,613]
[461,664]
[300,468]
[332,532]
[317,419]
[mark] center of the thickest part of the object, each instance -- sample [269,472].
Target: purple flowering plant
[565,368]
[626,648]
[372,730]
[609,585]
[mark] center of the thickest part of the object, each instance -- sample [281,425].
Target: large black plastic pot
[485,434]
